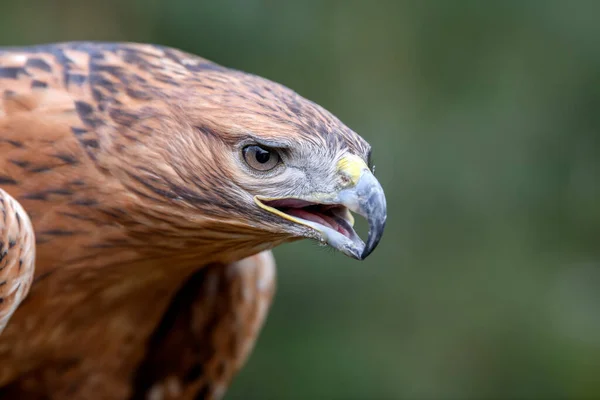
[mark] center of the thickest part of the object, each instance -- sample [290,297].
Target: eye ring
[261,158]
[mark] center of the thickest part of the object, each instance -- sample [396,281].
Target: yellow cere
[352,166]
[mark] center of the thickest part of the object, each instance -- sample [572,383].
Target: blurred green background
[484,118]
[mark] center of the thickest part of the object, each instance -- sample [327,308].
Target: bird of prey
[142,191]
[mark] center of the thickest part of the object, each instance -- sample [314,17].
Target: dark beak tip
[367,252]
[374,239]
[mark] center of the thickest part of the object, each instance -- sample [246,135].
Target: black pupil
[262,155]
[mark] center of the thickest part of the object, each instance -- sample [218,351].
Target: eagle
[142,189]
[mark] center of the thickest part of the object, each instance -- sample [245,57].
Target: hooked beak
[367,199]
[329,214]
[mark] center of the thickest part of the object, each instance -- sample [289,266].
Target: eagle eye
[260,158]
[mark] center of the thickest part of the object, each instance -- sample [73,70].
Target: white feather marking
[156,392]
[267,272]
[219,391]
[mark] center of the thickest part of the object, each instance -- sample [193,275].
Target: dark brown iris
[261,158]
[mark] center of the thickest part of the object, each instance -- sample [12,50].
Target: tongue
[314,217]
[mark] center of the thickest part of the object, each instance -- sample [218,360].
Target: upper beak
[367,198]
[362,195]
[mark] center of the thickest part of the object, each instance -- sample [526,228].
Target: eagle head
[255,164]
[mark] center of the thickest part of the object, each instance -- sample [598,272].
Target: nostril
[344,180]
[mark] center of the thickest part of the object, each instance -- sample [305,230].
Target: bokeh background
[484,118]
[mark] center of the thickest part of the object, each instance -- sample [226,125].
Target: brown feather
[208,331]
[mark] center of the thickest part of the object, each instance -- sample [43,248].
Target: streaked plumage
[17,256]
[131,162]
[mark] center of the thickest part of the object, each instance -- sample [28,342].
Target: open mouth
[329,214]
[334,222]
[332,216]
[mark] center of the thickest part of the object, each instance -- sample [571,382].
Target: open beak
[329,214]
